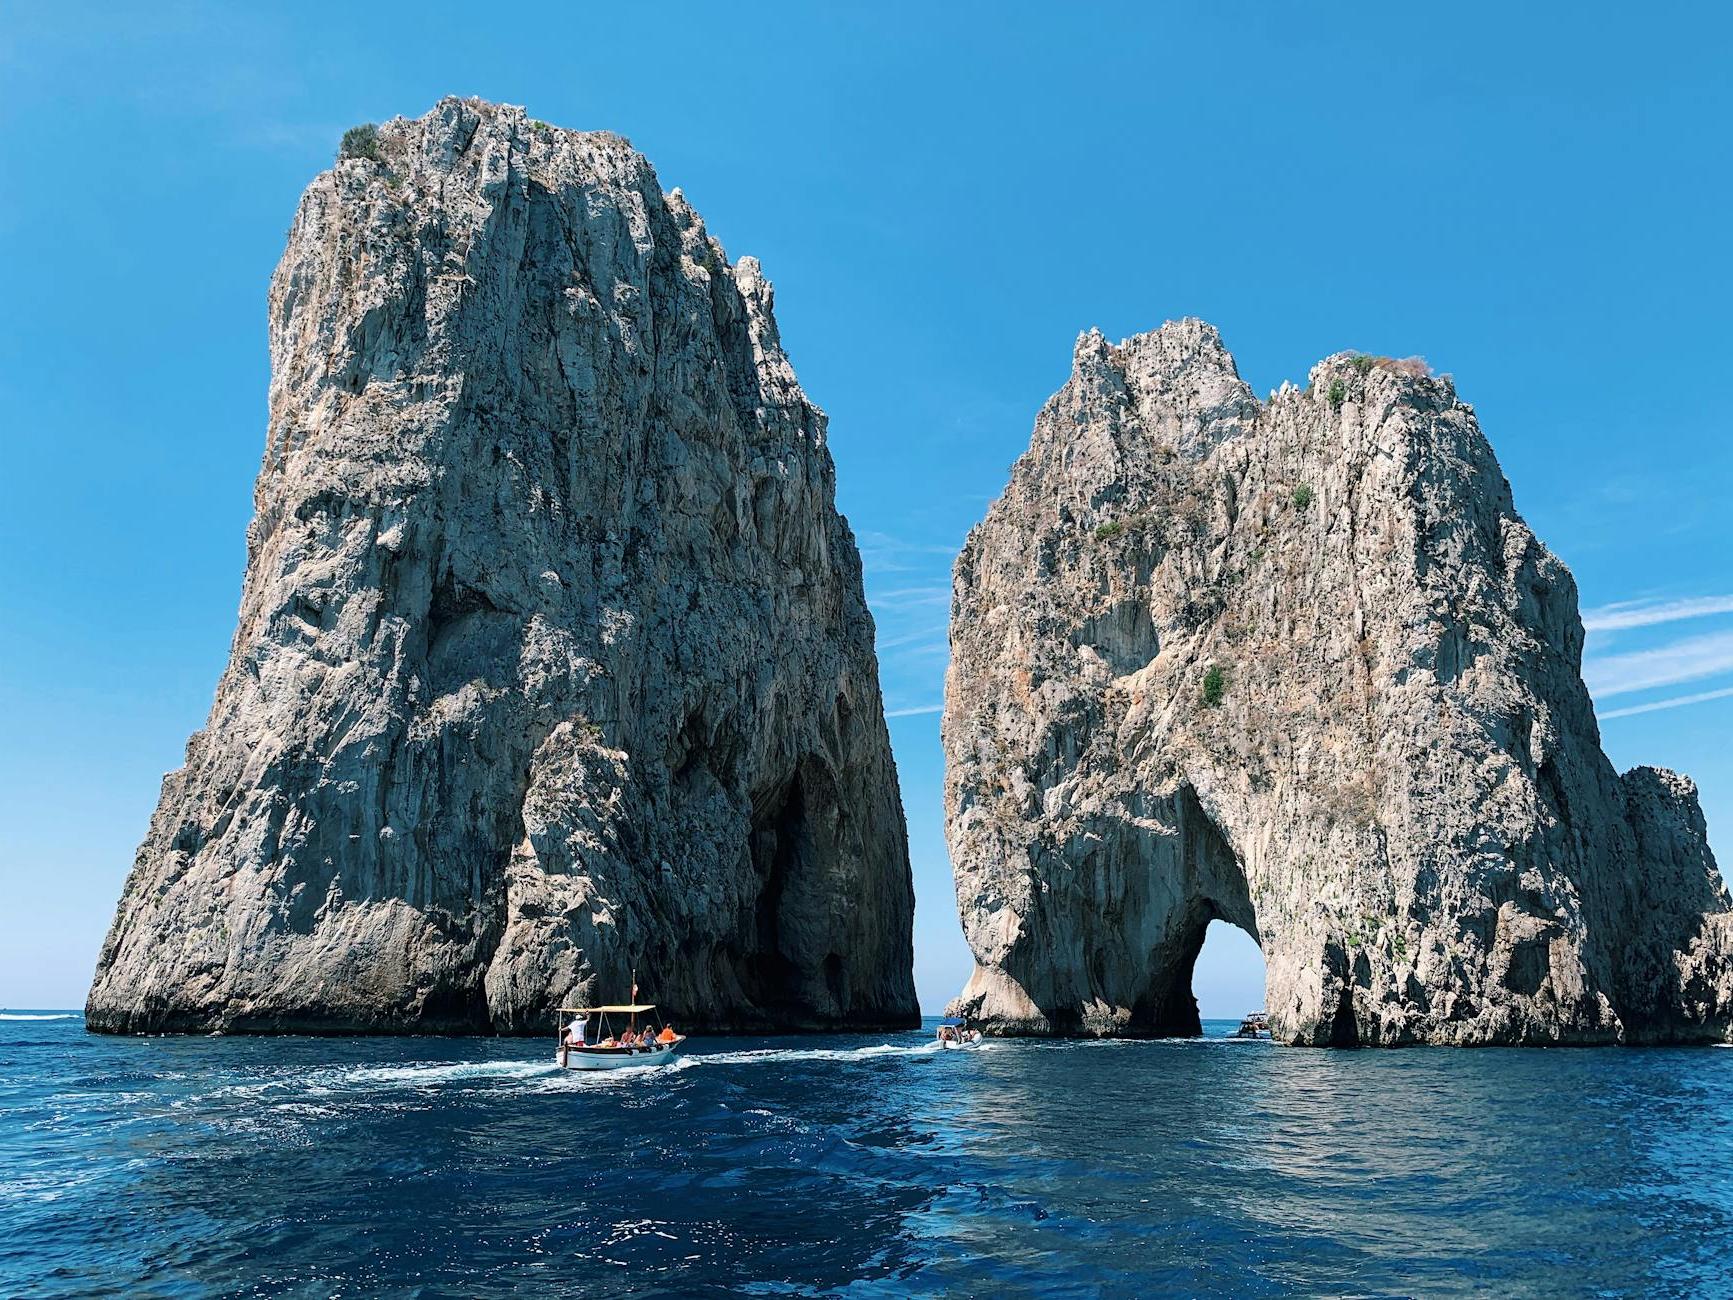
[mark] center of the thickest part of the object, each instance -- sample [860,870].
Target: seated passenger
[667,1035]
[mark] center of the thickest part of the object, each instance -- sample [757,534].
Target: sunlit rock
[553,663]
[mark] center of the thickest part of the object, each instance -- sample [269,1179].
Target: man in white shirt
[575,1032]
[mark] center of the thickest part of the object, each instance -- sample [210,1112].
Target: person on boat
[667,1035]
[575,1032]
[629,1039]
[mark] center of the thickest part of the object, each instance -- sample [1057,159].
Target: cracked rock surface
[1298,665]
[553,662]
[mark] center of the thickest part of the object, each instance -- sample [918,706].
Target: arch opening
[1184,985]
[1227,977]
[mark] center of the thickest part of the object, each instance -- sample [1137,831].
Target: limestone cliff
[1299,665]
[553,660]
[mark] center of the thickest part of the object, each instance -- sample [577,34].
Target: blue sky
[1533,197]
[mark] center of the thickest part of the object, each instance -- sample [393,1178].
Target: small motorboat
[1255,1025]
[954,1035]
[586,1041]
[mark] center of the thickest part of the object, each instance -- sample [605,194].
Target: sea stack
[553,664]
[1300,666]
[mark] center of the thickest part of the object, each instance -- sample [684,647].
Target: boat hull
[613,1058]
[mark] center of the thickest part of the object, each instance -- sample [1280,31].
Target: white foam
[58,1015]
[536,1074]
[429,1074]
[773,1055]
[562,1080]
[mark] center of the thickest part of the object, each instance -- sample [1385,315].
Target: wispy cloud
[938,648]
[908,582]
[905,597]
[885,553]
[937,635]
[1687,660]
[1647,613]
[888,542]
[1678,702]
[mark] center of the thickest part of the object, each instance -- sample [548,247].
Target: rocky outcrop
[1298,665]
[553,661]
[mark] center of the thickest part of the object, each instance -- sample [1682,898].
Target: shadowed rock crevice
[782,850]
[553,662]
[1299,665]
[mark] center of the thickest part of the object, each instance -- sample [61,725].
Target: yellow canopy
[625,1010]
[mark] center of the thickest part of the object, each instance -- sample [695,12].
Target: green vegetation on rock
[1215,684]
[360,142]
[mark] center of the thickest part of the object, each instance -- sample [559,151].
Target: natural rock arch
[1299,663]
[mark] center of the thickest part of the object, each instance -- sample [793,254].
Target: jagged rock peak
[552,662]
[1301,667]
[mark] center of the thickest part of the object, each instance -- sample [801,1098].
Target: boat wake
[432,1074]
[777,1055]
[564,1079]
[538,1074]
[57,1015]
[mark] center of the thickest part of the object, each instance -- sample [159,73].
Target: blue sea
[861,1166]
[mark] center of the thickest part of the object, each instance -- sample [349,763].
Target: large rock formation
[1298,665]
[553,660]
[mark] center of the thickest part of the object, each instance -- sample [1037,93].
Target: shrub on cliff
[1215,682]
[360,142]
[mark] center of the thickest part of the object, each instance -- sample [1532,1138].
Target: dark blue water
[875,1166]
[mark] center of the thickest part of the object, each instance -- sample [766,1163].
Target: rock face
[553,662]
[1298,665]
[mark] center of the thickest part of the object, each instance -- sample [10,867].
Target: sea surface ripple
[183,1167]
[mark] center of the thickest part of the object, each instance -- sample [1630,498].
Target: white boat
[1255,1025]
[954,1035]
[581,1049]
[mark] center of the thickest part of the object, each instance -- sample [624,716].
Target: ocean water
[862,1166]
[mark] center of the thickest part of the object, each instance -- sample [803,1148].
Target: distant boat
[954,1035]
[586,1041]
[1255,1025]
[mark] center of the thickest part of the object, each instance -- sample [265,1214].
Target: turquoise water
[866,1166]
